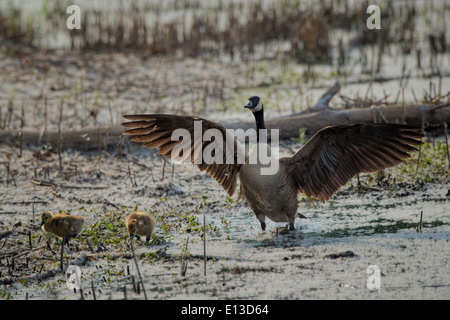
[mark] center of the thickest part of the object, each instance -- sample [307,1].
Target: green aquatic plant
[5,293]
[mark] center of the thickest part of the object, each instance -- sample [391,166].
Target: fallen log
[412,115]
[319,116]
[322,115]
[83,139]
[36,277]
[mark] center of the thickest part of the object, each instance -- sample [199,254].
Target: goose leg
[290,215]
[262,219]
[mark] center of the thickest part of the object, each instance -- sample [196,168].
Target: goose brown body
[271,196]
[325,163]
[140,224]
[62,225]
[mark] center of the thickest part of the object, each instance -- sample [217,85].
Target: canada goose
[63,226]
[140,224]
[326,162]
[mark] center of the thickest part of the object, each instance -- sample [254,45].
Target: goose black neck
[259,118]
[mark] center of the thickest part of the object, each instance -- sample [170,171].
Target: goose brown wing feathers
[335,154]
[155,131]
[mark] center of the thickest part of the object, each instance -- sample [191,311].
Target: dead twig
[184,261]
[93,289]
[446,143]
[137,268]
[163,168]
[5,234]
[420,147]
[419,227]
[62,253]
[22,115]
[133,183]
[204,244]
[59,141]
[29,240]
[9,172]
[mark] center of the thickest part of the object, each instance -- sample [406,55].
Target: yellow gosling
[62,225]
[140,224]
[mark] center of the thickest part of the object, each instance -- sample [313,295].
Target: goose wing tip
[129,116]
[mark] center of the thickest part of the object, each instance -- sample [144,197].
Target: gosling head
[132,228]
[46,217]
[254,104]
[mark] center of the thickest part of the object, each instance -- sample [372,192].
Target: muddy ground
[326,257]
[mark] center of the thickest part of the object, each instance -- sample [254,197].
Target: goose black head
[254,104]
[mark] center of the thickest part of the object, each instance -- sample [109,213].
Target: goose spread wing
[155,131]
[335,154]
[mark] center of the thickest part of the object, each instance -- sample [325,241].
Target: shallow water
[352,216]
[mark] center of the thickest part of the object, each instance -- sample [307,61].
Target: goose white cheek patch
[258,107]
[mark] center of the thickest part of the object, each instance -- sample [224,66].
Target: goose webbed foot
[263,225]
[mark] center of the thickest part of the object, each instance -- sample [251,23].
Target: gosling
[140,224]
[62,225]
